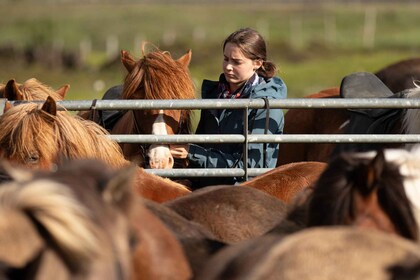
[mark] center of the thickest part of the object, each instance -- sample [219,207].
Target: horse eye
[33,158]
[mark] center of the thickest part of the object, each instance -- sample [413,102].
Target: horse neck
[157,188]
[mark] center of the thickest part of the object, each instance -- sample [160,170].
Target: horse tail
[60,219]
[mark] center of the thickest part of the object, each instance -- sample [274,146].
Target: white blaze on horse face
[160,155]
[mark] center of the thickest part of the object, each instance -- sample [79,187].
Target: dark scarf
[245,90]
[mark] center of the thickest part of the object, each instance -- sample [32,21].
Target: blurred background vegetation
[314,44]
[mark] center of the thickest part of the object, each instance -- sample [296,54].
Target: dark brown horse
[155,76]
[397,77]
[358,189]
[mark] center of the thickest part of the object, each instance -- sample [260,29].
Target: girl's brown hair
[253,46]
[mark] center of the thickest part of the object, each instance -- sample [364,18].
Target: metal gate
[246,138]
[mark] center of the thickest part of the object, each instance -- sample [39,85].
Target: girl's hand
[179,150]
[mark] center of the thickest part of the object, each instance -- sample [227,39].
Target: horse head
[31,89]
[155,76]
[70,223]
[365,191]
[40,135]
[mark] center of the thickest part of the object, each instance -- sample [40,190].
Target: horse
[67,224]
[397,78]
[155,76]
[36,135]
[286,181]
[336,252]
[39,136]
[367,190]
[230,213]
[127,241]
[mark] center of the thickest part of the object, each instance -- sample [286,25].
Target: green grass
[314,46]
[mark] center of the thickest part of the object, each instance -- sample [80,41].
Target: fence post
[296,32]
[369,28]
[112,47]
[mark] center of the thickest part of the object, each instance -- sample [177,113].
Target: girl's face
[236,67]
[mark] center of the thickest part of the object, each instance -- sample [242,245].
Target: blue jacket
[230,121]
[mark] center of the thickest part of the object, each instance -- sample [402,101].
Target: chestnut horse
[397,77]
[155,76]
[83,220]
[39,136]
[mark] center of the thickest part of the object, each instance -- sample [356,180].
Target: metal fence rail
[245,139]
[77,105]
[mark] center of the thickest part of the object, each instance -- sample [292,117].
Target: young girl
[246,75]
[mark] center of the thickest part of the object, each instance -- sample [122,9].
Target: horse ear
[127,60]
[375,169]
[12,92]
[7,106]
[62,91]
[50,106]
[119,188]
[185,59]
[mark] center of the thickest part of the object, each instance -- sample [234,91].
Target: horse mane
[57,215]
[32,89]
[26,131]
[331,202]
[411,118]
[160,77]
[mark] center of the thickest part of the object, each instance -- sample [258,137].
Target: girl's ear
[257,64]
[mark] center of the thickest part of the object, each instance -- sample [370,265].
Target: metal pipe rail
[78,105]
[289,138]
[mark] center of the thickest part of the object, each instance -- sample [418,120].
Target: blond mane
[27,132]
[53,206]
[32,89]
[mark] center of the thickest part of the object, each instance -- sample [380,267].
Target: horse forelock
[21,128]
[332,186]
[53,207]
[160,77]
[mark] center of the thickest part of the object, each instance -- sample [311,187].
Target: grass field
[314,46]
